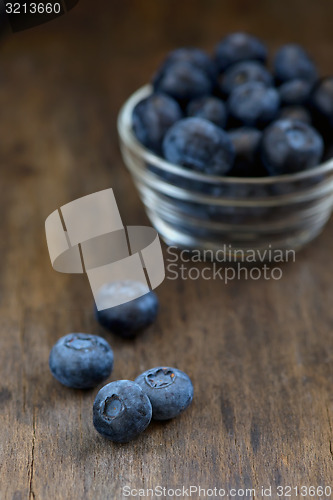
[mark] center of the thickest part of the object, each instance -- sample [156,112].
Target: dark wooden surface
[260,353]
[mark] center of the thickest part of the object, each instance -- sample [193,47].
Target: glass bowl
[232,214]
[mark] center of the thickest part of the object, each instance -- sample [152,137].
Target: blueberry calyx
[113,407]
[81,344]
[160,378]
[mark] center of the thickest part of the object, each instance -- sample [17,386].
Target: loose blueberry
[246,142]
[133,315]
[183,81]
[295,113]
[209,108]
[290,146]
[152,117]
[295,92]
[293,62]
[238,47]
[243,72]
[321,101]
[121,411]
[253,104]
[199,145]
[81,360]
[170,391]
[195,57]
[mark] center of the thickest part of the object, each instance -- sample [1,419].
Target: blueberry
[290,146]
[183,81]
[199,145]
[295,113]
[321,102]
[295,92]
[246,142]
[189,209]
[152,117]
[195,57]
[81,360]
[238,47]
[292,62]
[121,411]
[209,108]
[253,104]
[243,72]
[131,317]
[170,391]
[178,180]
[328,154]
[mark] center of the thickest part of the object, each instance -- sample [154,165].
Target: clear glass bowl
[192,210]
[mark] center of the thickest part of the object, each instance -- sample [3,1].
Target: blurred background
[76,71]
[63,83]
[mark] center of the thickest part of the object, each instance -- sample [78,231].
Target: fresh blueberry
[199,145]
[321,101]
[81,360]
[246,142]
[152,117]
[121,411]
[183,81]
[328,154]
[253,104]
[290,146]
[243,72]
[133,315]
[293,62]
[238,47]
[190,209]
[177,180]
[170,391]
[194,56]
[239,191]
[295,113]
[209,108]
[295,92]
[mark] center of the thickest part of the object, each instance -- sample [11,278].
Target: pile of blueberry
[122,409]
[230,115]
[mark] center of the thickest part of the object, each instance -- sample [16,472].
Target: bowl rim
[125,131]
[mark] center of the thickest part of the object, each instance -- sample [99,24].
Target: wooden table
[260,353]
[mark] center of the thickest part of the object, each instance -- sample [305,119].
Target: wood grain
[260,353]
